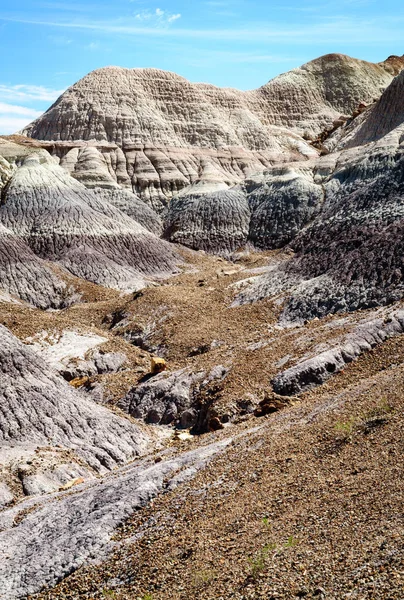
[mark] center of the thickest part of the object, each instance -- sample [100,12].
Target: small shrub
[257,564]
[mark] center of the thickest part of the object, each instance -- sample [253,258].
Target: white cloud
[173,18]
[28,93]
[20,104]
[12,124]
[14,109]
[93,46]
[157,17]
[331,30]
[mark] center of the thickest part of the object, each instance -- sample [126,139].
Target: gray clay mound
[25,275]
[131,205]
[216,222]
[64,222]
[285,201]
[37,407]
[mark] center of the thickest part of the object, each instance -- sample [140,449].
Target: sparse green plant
[107,593]
[376,416]
[382,410]
[258,562]
[345,428]
[292,542]
[147,597]
[270,547]
[266,521]
[203,577]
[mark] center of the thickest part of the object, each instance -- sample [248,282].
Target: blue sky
[46,45]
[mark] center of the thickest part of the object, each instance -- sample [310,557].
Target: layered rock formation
[131,205]
[153,131]
[22,273]
[282,202]
[350,256]
[227,170]
[120,131]
[381,118]
[148,106]
[309,98]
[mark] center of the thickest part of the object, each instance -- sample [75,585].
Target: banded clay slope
[156,131]
[22,273]
[309,98]
[38,408]
[214,221]
[25,275]
[350,255]
[267,212]
[153,107]
[150,107]
[62,221]
[378,121]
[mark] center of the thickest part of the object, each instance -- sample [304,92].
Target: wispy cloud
[324,31]
[12,124]
[14,117]
[157,17]
[15,109]
[28,93]
[21,104]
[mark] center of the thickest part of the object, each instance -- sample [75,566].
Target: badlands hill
[254,242]
[148,106]
[156,132]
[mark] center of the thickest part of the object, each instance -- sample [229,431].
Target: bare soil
[305,503]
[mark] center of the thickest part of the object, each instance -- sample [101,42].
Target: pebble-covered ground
[304,503]
[307,506]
